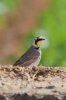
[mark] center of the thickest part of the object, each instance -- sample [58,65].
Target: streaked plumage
[32,56]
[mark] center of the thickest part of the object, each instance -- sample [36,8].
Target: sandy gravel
[40,83]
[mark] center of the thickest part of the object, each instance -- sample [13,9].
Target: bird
[32,56]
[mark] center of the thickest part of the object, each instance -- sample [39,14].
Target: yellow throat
[40,43]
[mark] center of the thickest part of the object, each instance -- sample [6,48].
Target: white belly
[37,61]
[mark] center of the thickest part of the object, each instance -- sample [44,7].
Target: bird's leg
[28,76]
[35,75]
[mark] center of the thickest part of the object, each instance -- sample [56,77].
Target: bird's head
[38,42]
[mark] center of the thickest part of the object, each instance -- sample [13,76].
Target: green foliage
[2,21]
[7,6]
[54,22]
[11,4]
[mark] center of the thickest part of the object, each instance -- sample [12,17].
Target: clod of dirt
[36,83]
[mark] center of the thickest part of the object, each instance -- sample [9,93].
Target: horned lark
[33,56]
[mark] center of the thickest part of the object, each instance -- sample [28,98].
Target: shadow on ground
[27,97]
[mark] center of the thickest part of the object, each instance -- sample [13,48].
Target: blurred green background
[51,23]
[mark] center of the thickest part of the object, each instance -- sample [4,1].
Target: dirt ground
[37,83]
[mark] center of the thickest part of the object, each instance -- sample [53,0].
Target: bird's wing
[28,58]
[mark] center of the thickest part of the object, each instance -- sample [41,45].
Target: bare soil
[36,83]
